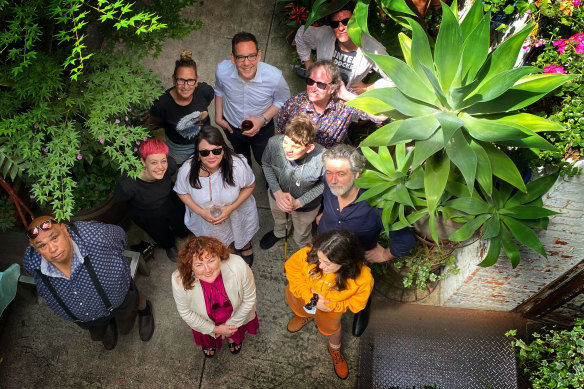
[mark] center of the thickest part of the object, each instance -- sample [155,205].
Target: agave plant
[507,214]
[458,107]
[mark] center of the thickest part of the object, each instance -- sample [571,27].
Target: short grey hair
[356,160]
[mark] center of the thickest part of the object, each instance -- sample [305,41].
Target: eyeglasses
[189,82]
[205,153]
[242,58]
[335,23]
[319,85]
[33,232]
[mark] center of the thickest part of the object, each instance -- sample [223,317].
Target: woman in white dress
[216,186]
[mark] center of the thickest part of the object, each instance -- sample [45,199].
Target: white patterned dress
[243,222]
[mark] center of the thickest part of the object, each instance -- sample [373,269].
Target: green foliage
[70,116]
[507,215]
[7,219]
[29,22]
[95,117]
[565,105]
[554,359]
[458,106]
[426,265]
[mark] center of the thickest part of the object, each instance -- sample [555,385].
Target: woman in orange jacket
[324,280]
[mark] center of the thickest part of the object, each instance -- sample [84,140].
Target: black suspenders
[94,279]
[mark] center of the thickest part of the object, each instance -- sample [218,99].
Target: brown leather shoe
[341,368]
[146,322]
[296,323]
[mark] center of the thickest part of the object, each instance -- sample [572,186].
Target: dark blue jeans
[242,144]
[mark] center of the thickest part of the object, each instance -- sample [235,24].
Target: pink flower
[138,142]
[79,157]
[580,48]
[81,90]
[123,139]
[117,121]
[135,149]
[528,11]
[31,196]
[579,37]
[127,118]
[129,109]
[36,126]
[554,69]
[561,45]
[576,3]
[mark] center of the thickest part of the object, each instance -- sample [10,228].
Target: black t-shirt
[144,195]
[344,61]
[173,116]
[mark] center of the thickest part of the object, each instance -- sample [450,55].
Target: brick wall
[502,288]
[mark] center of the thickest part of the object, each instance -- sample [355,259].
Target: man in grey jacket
[332,42]
[293,168]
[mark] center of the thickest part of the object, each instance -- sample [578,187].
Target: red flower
[298,14]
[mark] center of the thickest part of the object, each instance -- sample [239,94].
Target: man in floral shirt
[323,104]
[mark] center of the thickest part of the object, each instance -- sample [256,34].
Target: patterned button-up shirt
[104,243]
[331,125]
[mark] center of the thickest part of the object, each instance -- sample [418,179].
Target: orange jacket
[301,282]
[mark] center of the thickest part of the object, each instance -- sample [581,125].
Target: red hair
[195,246]
[153,146]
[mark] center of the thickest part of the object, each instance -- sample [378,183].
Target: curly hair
[342,248]
[194,248]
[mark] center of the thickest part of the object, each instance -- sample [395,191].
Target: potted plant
[457,108]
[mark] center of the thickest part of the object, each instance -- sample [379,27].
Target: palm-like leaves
[457,105]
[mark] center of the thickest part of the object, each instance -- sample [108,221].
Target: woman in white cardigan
[215,294]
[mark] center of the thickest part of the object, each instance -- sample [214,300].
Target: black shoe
[172,254]
[110,338]
[146,322]
[268,240]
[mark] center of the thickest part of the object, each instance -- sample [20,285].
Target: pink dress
[219,309]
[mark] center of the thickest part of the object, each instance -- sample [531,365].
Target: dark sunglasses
[33,232]
[335,23]
[319,85]
[205,153]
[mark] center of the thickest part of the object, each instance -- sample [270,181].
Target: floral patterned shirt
[331,125]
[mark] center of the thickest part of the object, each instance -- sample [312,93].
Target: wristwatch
[266,121]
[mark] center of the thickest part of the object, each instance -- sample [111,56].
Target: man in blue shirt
[81,273]
[344,164]
[248,94]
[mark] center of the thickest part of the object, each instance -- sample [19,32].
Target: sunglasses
[319,85]
[33,232]
[205,153]
[335,23]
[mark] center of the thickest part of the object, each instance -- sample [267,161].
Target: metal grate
[418,351]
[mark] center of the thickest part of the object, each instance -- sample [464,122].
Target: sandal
[233,349]
[247,258]
[209,350]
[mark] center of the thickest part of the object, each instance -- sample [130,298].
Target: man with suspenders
[81,273]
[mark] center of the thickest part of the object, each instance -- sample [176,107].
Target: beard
[341,190]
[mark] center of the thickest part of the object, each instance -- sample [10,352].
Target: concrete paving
[39,350]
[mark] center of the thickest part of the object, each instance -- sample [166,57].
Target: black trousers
[124,316]
[163,223]
[242,144]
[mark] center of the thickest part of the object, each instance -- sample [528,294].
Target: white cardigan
[239,285]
